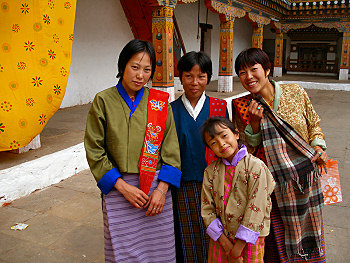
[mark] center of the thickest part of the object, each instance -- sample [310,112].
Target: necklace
[270,102]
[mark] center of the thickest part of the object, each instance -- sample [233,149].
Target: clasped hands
[233,252]
[137,198]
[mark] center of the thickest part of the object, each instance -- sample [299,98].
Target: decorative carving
[168,3]
[278,25]
[226,49]
[162,37]
[286,27]
[260,20]
[340,26]
[188,1]
[257,38]
[230,12]
[278,50]
[344,63]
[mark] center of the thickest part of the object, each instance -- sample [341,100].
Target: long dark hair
[133,47]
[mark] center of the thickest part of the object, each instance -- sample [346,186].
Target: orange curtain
[35,54]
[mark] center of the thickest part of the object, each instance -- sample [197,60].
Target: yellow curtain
[35,54]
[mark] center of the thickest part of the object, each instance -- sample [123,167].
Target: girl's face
[224,144]
[137,72]
[254,78]
[194,83]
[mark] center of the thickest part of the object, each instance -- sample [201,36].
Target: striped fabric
[298,191]
[251,253]
[191,239]
[130,236]
[229,173]
[275,250]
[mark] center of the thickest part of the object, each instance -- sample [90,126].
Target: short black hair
[133,47]
[193,58]
[210,124]
[251,56]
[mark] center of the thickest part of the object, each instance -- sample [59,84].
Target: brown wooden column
[225,80]
[162,38]
[277,71]
[344,60]
[257,38]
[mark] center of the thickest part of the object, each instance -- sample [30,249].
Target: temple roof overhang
[286,15]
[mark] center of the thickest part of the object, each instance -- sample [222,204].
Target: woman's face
[137,72]
[254,78]
[194,83]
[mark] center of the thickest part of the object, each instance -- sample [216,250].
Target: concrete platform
[65,219]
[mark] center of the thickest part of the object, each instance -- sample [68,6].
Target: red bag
[331,184]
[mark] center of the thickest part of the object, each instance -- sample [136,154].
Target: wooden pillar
[225,81]
[344,61]
[257,39]
[162,38]
[277,70]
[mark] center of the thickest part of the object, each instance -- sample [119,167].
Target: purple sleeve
[247,235]
[215,229]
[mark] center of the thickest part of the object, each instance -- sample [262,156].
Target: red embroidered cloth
[157,109]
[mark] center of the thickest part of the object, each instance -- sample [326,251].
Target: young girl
[235,197]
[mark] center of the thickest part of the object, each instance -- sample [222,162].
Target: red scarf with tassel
[157,110]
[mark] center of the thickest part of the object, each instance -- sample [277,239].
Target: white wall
[242,38]
[101,30]
[187,19]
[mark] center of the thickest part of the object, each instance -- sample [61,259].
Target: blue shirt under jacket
[192,149]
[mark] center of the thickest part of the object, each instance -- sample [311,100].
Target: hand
[255,111]
[134,195]
[232,260]
[225,243]
[321,157]
[232,257]
[236,251]
[156,200]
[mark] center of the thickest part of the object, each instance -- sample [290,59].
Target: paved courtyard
[65,219]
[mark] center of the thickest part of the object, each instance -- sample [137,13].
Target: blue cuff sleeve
[170,175]
[247,235]
[108,181]
[215,229]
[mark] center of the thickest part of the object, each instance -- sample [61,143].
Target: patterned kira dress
[114,137]
[292,104]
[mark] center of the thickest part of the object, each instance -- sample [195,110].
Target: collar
[131,104]
[239,156]
[277,95]
[194,112]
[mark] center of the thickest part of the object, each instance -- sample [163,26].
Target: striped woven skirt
[275,249]
[251,253]
[130,236]
[191,239]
